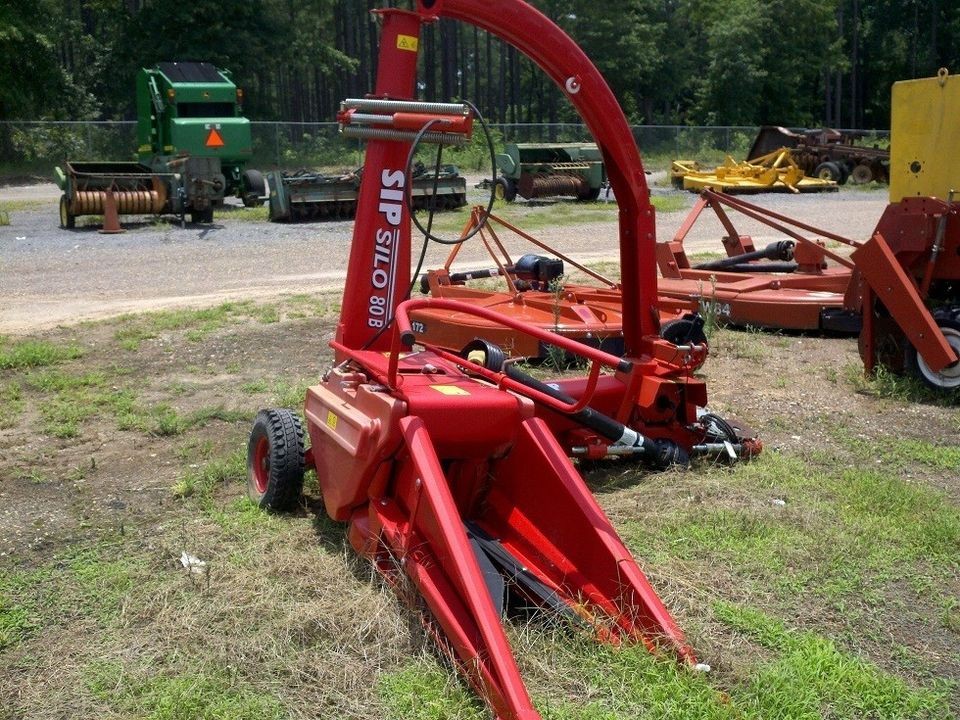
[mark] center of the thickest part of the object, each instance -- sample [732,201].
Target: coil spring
[409,106]
[129,202]
[539,185]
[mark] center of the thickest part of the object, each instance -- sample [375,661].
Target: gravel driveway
[50,276]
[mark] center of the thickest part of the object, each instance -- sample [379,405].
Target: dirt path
[50,276]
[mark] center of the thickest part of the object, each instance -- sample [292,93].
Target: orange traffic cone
[111,219]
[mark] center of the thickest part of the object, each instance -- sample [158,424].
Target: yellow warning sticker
[407,42]
[331,420]
[450,389]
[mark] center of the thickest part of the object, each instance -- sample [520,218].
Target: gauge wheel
[275,461]
[253,188]
[505,189]
[861,175]
[828,171]
[687,330]
[948,378]
[67,220]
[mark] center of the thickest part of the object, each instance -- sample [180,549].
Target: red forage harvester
[452,471]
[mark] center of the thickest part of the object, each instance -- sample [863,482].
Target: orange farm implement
[535,289]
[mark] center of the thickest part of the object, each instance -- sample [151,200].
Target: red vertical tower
[378,274]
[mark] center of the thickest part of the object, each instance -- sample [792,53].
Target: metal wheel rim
[499,193]
[949,377]
[862,176]
[261,465]
[63,213]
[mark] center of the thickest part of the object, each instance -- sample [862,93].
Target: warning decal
[214,139]
[407,42]
[449,390]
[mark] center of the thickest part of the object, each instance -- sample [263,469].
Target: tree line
[696,62]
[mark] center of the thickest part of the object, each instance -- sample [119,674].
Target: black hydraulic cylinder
[603,425]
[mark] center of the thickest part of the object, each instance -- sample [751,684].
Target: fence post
[276,144]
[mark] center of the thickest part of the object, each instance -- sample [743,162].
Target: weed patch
[11,404]
[91,583]
[201,483]
[811,678]
[208,693]
[885,383]
[673,202]
[422,691]
[37,353]
[196,324]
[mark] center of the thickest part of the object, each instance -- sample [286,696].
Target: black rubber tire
[506,189]
[947,380]
[67,221]
[253,188]
[845,170]
[683,331]
[590,196]
[828,171]
[862,174]
[275,460]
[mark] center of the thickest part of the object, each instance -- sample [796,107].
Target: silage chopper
[453,471]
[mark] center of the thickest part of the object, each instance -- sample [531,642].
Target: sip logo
[384,272]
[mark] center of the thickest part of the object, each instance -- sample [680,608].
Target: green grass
[197,324]
[247,214]
[802,676]
[291,394]
[70,400]
[907,388]
[36,353]
[674,202]
[744,344]
[9,206]
[201,483]
[811,678]
[207,693]
[162,420]
[255,386]
[423,691]
[846,536]
[322,306]
[17,622]
[267,314]
[901,452]
[90,583]
[11,404]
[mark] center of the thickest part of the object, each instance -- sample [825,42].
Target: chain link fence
[32,149]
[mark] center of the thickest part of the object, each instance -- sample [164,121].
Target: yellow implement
[923,162]
[773,172]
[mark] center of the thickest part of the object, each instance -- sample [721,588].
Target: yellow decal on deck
[331,420]
[450,389]
[407,42]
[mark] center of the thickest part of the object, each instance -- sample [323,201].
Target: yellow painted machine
[774,172]
[925,160]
